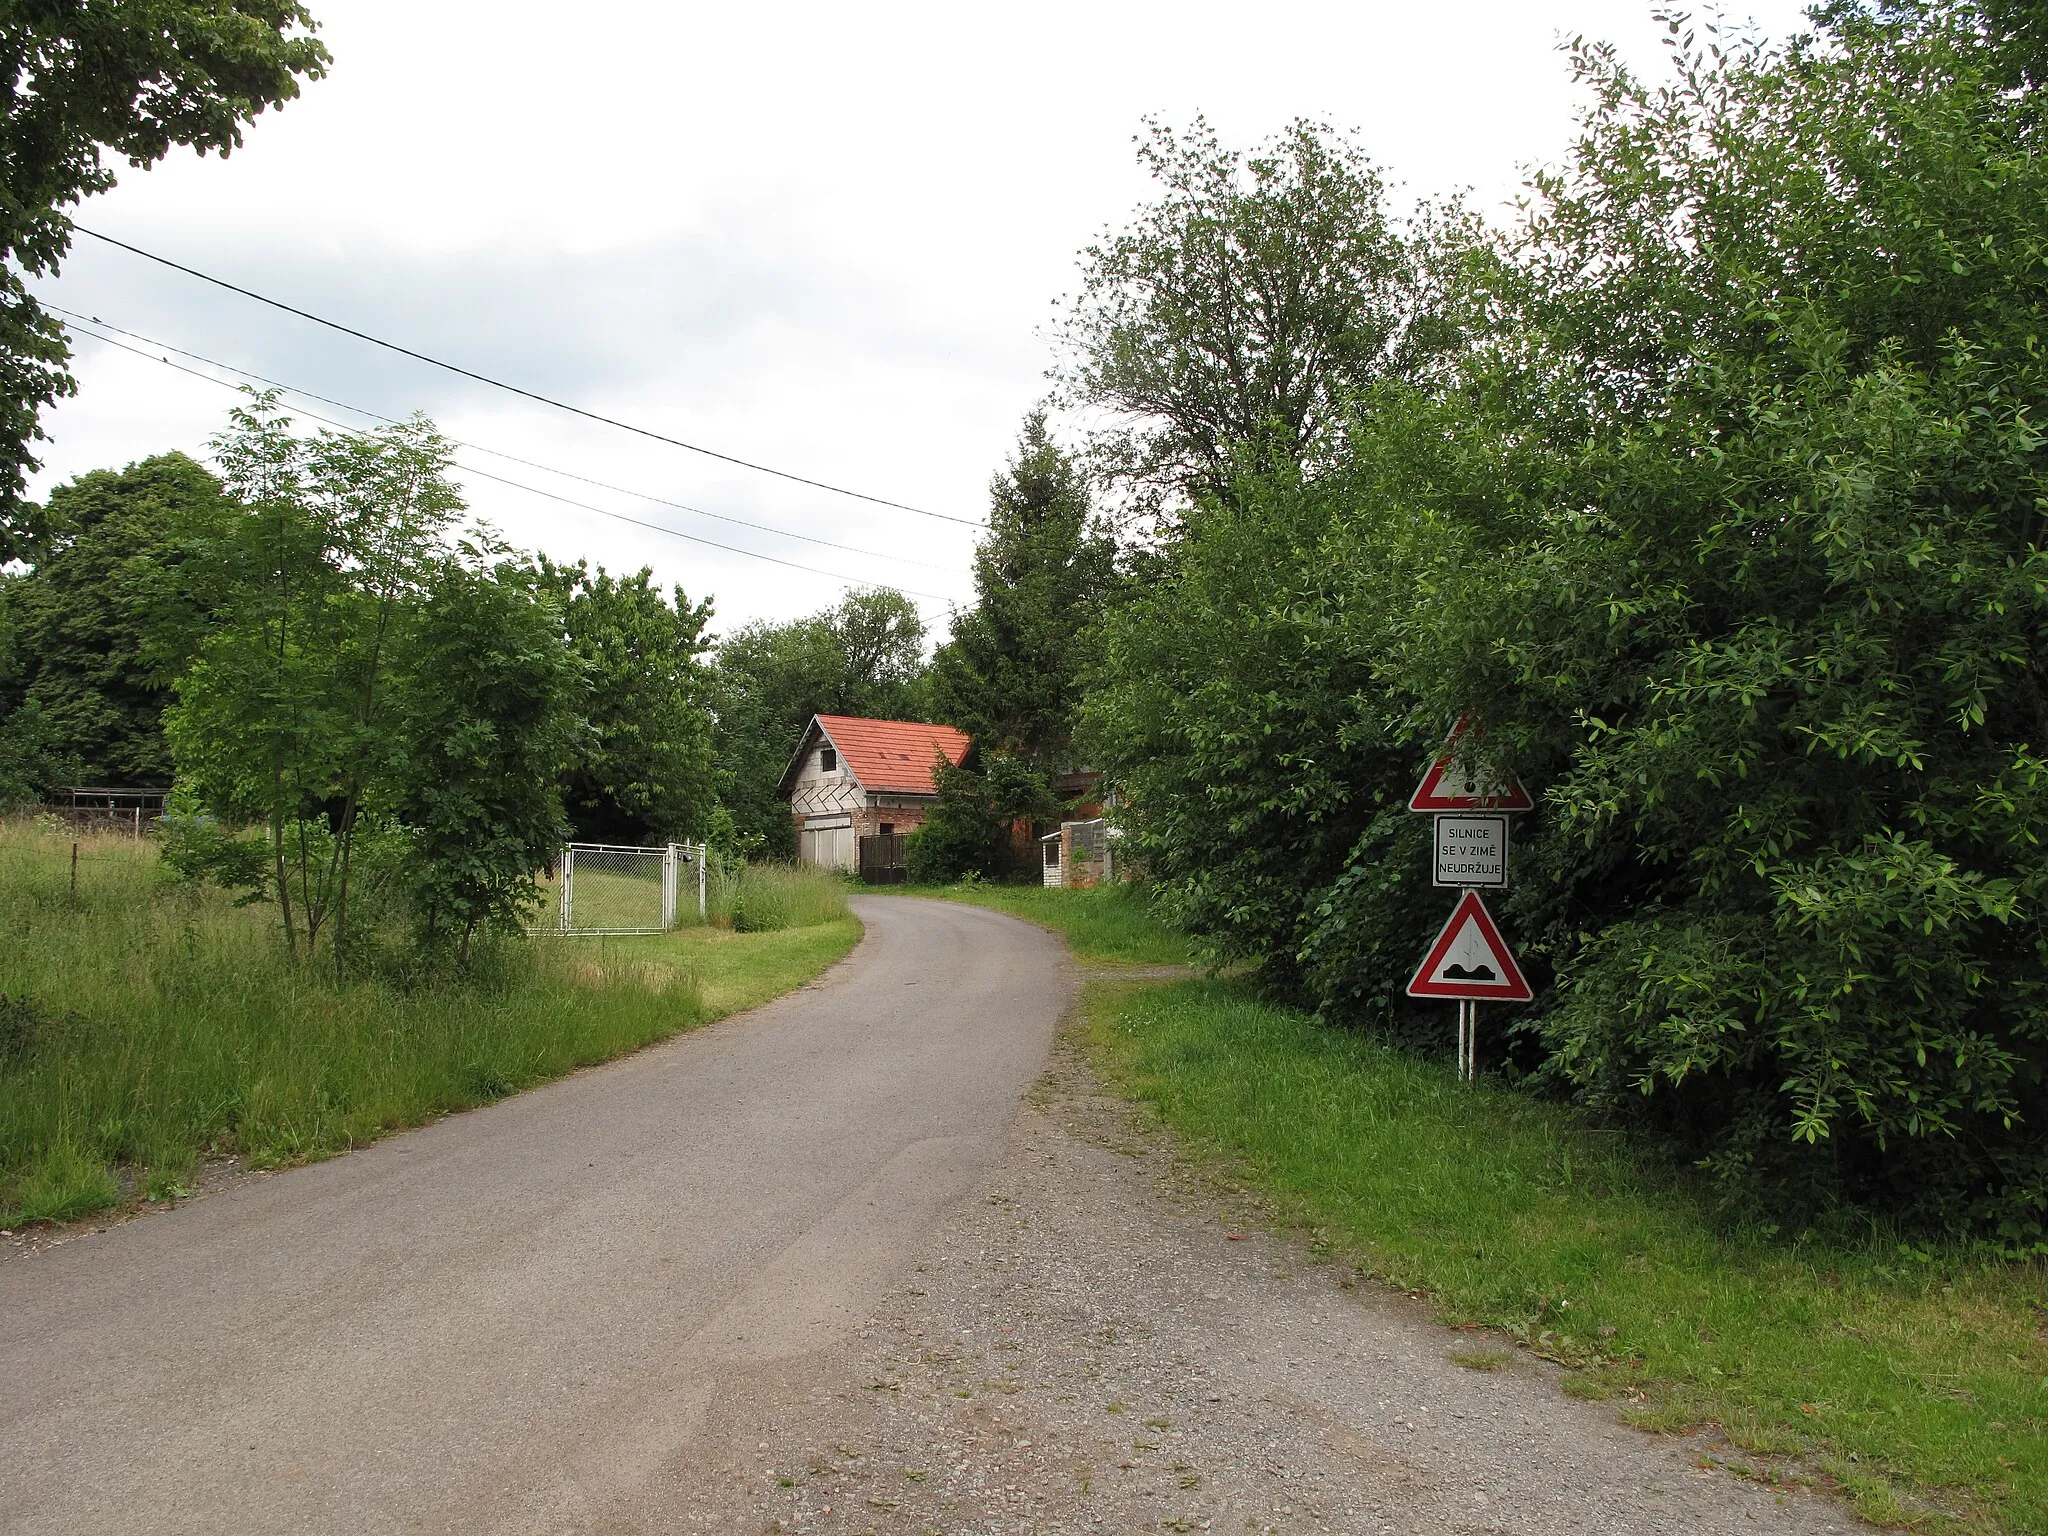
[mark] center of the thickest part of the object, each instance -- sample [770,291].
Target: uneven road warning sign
[1470,959]
[1456,783]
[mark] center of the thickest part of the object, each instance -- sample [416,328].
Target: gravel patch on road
[1104,1340]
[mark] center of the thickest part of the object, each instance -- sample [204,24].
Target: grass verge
[1111,924]
[1889,1371]
[145,1024]
[765,897]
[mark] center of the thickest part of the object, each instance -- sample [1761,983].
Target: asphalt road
[510,1319]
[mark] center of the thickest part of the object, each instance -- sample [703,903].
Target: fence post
[668,886]
[703,858]
[568,889]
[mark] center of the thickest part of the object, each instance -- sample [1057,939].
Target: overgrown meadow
[149,1021]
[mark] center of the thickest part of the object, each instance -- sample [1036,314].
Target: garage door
[832,847]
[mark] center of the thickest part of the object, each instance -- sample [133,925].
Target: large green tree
[862,657]
[85,80]
[112,612]
[287,715]
[1010,676]
[642,772]
[1727,533]
[1232,322]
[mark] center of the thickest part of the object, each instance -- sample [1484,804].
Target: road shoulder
[1109,1337]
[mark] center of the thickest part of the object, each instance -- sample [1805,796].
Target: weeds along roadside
[1912,1382]
[149,1023]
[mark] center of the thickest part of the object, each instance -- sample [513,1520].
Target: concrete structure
[1078,855]
[853,778]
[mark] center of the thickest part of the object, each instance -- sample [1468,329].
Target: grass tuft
[1484,1357]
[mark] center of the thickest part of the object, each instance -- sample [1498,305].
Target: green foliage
[78,82]
[285,718]
[1727,533]
[865,657]
[1010,674]
[149,1023]
[1236,318]
[198,848]
[971,826]
[109,616]
[1240,714]
[34,758]
[488,703]
[643,772]
[768,898]
[1781,645]
[1923,1363]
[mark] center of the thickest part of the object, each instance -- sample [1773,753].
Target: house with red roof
[853,778]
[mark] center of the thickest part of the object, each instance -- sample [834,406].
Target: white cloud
[820,237]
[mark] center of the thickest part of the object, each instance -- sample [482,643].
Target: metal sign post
[1469,961]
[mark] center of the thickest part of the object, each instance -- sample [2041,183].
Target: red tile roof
[893,755]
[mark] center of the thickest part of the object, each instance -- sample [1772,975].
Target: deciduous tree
[642,771]
[80,82]
[1232,324]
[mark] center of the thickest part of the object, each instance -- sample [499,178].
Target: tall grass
[766,898]
[148,1022]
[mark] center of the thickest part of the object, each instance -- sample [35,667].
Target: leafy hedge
[1727,533]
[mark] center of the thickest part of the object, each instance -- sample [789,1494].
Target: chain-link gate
[604,888]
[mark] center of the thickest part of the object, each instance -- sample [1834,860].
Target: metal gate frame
[672,855]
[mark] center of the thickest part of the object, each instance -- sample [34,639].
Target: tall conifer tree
[1010,676]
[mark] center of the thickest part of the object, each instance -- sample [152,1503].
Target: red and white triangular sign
[1471,959]
[1454,785]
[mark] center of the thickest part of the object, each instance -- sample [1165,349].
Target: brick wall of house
[869,820]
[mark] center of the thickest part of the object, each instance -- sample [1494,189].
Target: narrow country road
[880,1257]
[504,1318]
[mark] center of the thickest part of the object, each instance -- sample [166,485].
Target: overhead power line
[496,453]
[674,533]
[513,389]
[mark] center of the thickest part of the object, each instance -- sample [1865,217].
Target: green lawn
[144,1024]
[1907,1378]
[1111,924]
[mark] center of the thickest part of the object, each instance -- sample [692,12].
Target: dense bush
[970,827]
[1727,533]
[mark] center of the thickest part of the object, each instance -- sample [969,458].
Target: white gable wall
[826,804]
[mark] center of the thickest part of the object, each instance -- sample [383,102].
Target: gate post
[703,859]
[568,887]
[668,887]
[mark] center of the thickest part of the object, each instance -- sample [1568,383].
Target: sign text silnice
[1472,851]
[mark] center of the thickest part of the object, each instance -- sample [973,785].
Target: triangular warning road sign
[1471,959]
[1454,784]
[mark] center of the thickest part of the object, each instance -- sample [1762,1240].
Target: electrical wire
[514,389]
[496,453]
[674,533]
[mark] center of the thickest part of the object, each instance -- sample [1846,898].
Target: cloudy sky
[824,238]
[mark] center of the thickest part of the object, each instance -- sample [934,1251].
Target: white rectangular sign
[1472,851]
